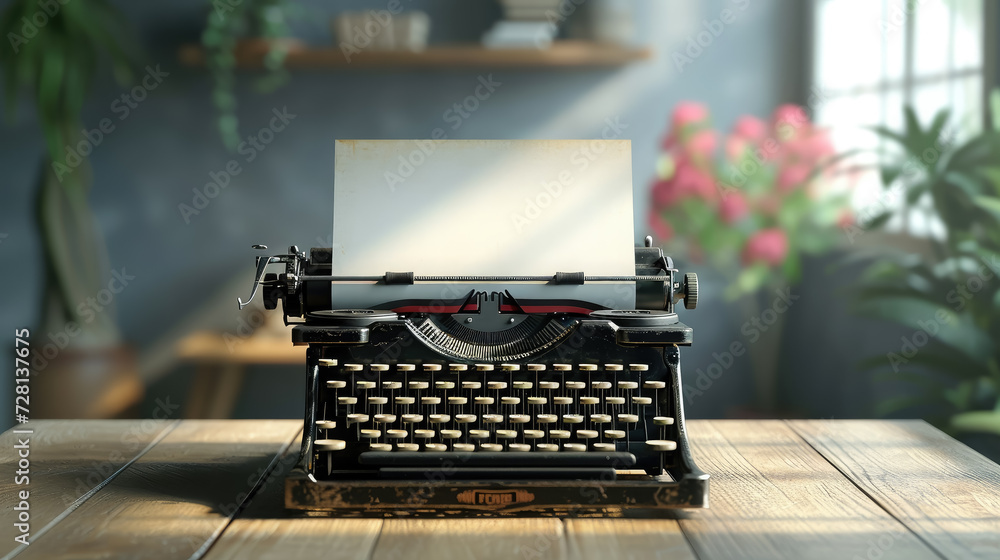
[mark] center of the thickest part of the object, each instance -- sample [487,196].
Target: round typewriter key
[463,447]
[589,400]
[537,400]
[327,362]
[519,418]
[366,384]
[523,384]
[518,447]
[548,384]
[379,367]
[412,418]
[628,418]
[385,418]
[430,400]
[614,400]
[496,385]
[533,434]
[439,418]
[547,447]
[484,400]
[588,367]
[601,385]
[506,434]
[628,385]
[574,447]
[642,400]
[661,444]
[451,434]
[614,434]
[479,434]
[663,420]
[510,367]
[404,400]
[432,367]
[465,418]
[392,385]
[536,367]
[435,447]
[484,367]
[471,385]
[600,418]
[562,367]
[457,367]
[492,418]
[562,400]
[559,434]
[587,434]
[336,384]
[347,400]
[510,400]
[490,447]
[547,418]
[576,385]
[457,400]
[396,434]
[326,424]
[444,384]
[407,447]
[654,385]
[329,444]
[380,447]
[603,446]
[638,367]
[613,367]
[423,434]
[377,400]
[357,418]
[371,434]
[418,385]
[353,367]
[405,367]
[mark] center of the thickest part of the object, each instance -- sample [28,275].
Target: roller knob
[690,290]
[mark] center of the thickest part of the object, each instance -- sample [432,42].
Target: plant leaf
[987,421]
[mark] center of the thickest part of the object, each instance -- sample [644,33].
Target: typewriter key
[614,400]
[432,367]
[451,434]
[547,418]
[435,447]
[465,418]
[336,384]
[423,434]
[407,447]
[412,418]
[628,418]
[519,418]
[326,424]
[562,367]
[600,418]
[347,400]
[548,385]
[572,418]
[371,434]
[357,418]
[496,385]
[562,400]
[457,367]
[601,384]
[353,367]
[385,418]
[366,384]
[533,434]
[377,400]
[628,385]
[380,447]
[587,434]
[329,444]
[663,420]
[405,367]
[479,434]
[547,447]
[510,367]
[559,434]
[588,367]
[484,367]
[661,444]
[490,447]
[444,384]
[510,400]
[492,418]
[471,385]
[379,367]
[574,447]
[613,367]
[483,401]
[575,385]
[439,418]
[519,447]
[523,384]
[430,400]
[604,447]
[506,434]
[418,385]
[536,367]
[589,400]
[392,385]
[654,385]
[463,447]
[457,400]
[638,367]
[396,434]
[642,400]
[404,400]
[327,362]
[614,434]
[537,400]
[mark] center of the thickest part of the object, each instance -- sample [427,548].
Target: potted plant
[949,293]
[751,213]
[54,53]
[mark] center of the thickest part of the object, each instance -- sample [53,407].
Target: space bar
[533,459]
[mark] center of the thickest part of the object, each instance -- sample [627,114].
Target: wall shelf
[562,54]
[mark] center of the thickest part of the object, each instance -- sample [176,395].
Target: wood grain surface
[946,493]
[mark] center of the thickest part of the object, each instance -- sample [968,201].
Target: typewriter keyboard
[513,408]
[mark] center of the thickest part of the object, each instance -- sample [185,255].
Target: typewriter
[488,402]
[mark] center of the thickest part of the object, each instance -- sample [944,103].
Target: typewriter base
[386,498]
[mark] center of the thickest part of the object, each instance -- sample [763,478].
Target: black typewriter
[489,404]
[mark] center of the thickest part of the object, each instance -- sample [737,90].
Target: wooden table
[843,489]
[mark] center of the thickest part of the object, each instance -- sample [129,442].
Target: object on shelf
[382,31]
[526,24]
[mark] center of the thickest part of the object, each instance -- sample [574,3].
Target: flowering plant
[756,209]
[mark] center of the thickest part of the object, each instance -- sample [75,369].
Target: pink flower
[767,245]
[687,113]
[733,207]
[750,128]
[793,176]
[736,147]
[846,219]
[814,148]
[665,193]
[660,228]
[789,121]
[692,181]
[701,144]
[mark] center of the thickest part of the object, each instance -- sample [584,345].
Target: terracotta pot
[86,383]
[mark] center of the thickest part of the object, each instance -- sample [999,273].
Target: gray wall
[169,145]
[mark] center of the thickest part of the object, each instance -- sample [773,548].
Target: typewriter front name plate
[556,413]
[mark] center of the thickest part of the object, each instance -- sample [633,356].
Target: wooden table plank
[265,530]
[67,460]
[945,492]
[772,496]
[471,539]
[604,539]
[176,498]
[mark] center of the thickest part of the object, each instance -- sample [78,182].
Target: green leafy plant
[55,57]
[950,294]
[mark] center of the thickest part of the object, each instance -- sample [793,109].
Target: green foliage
[952,299]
